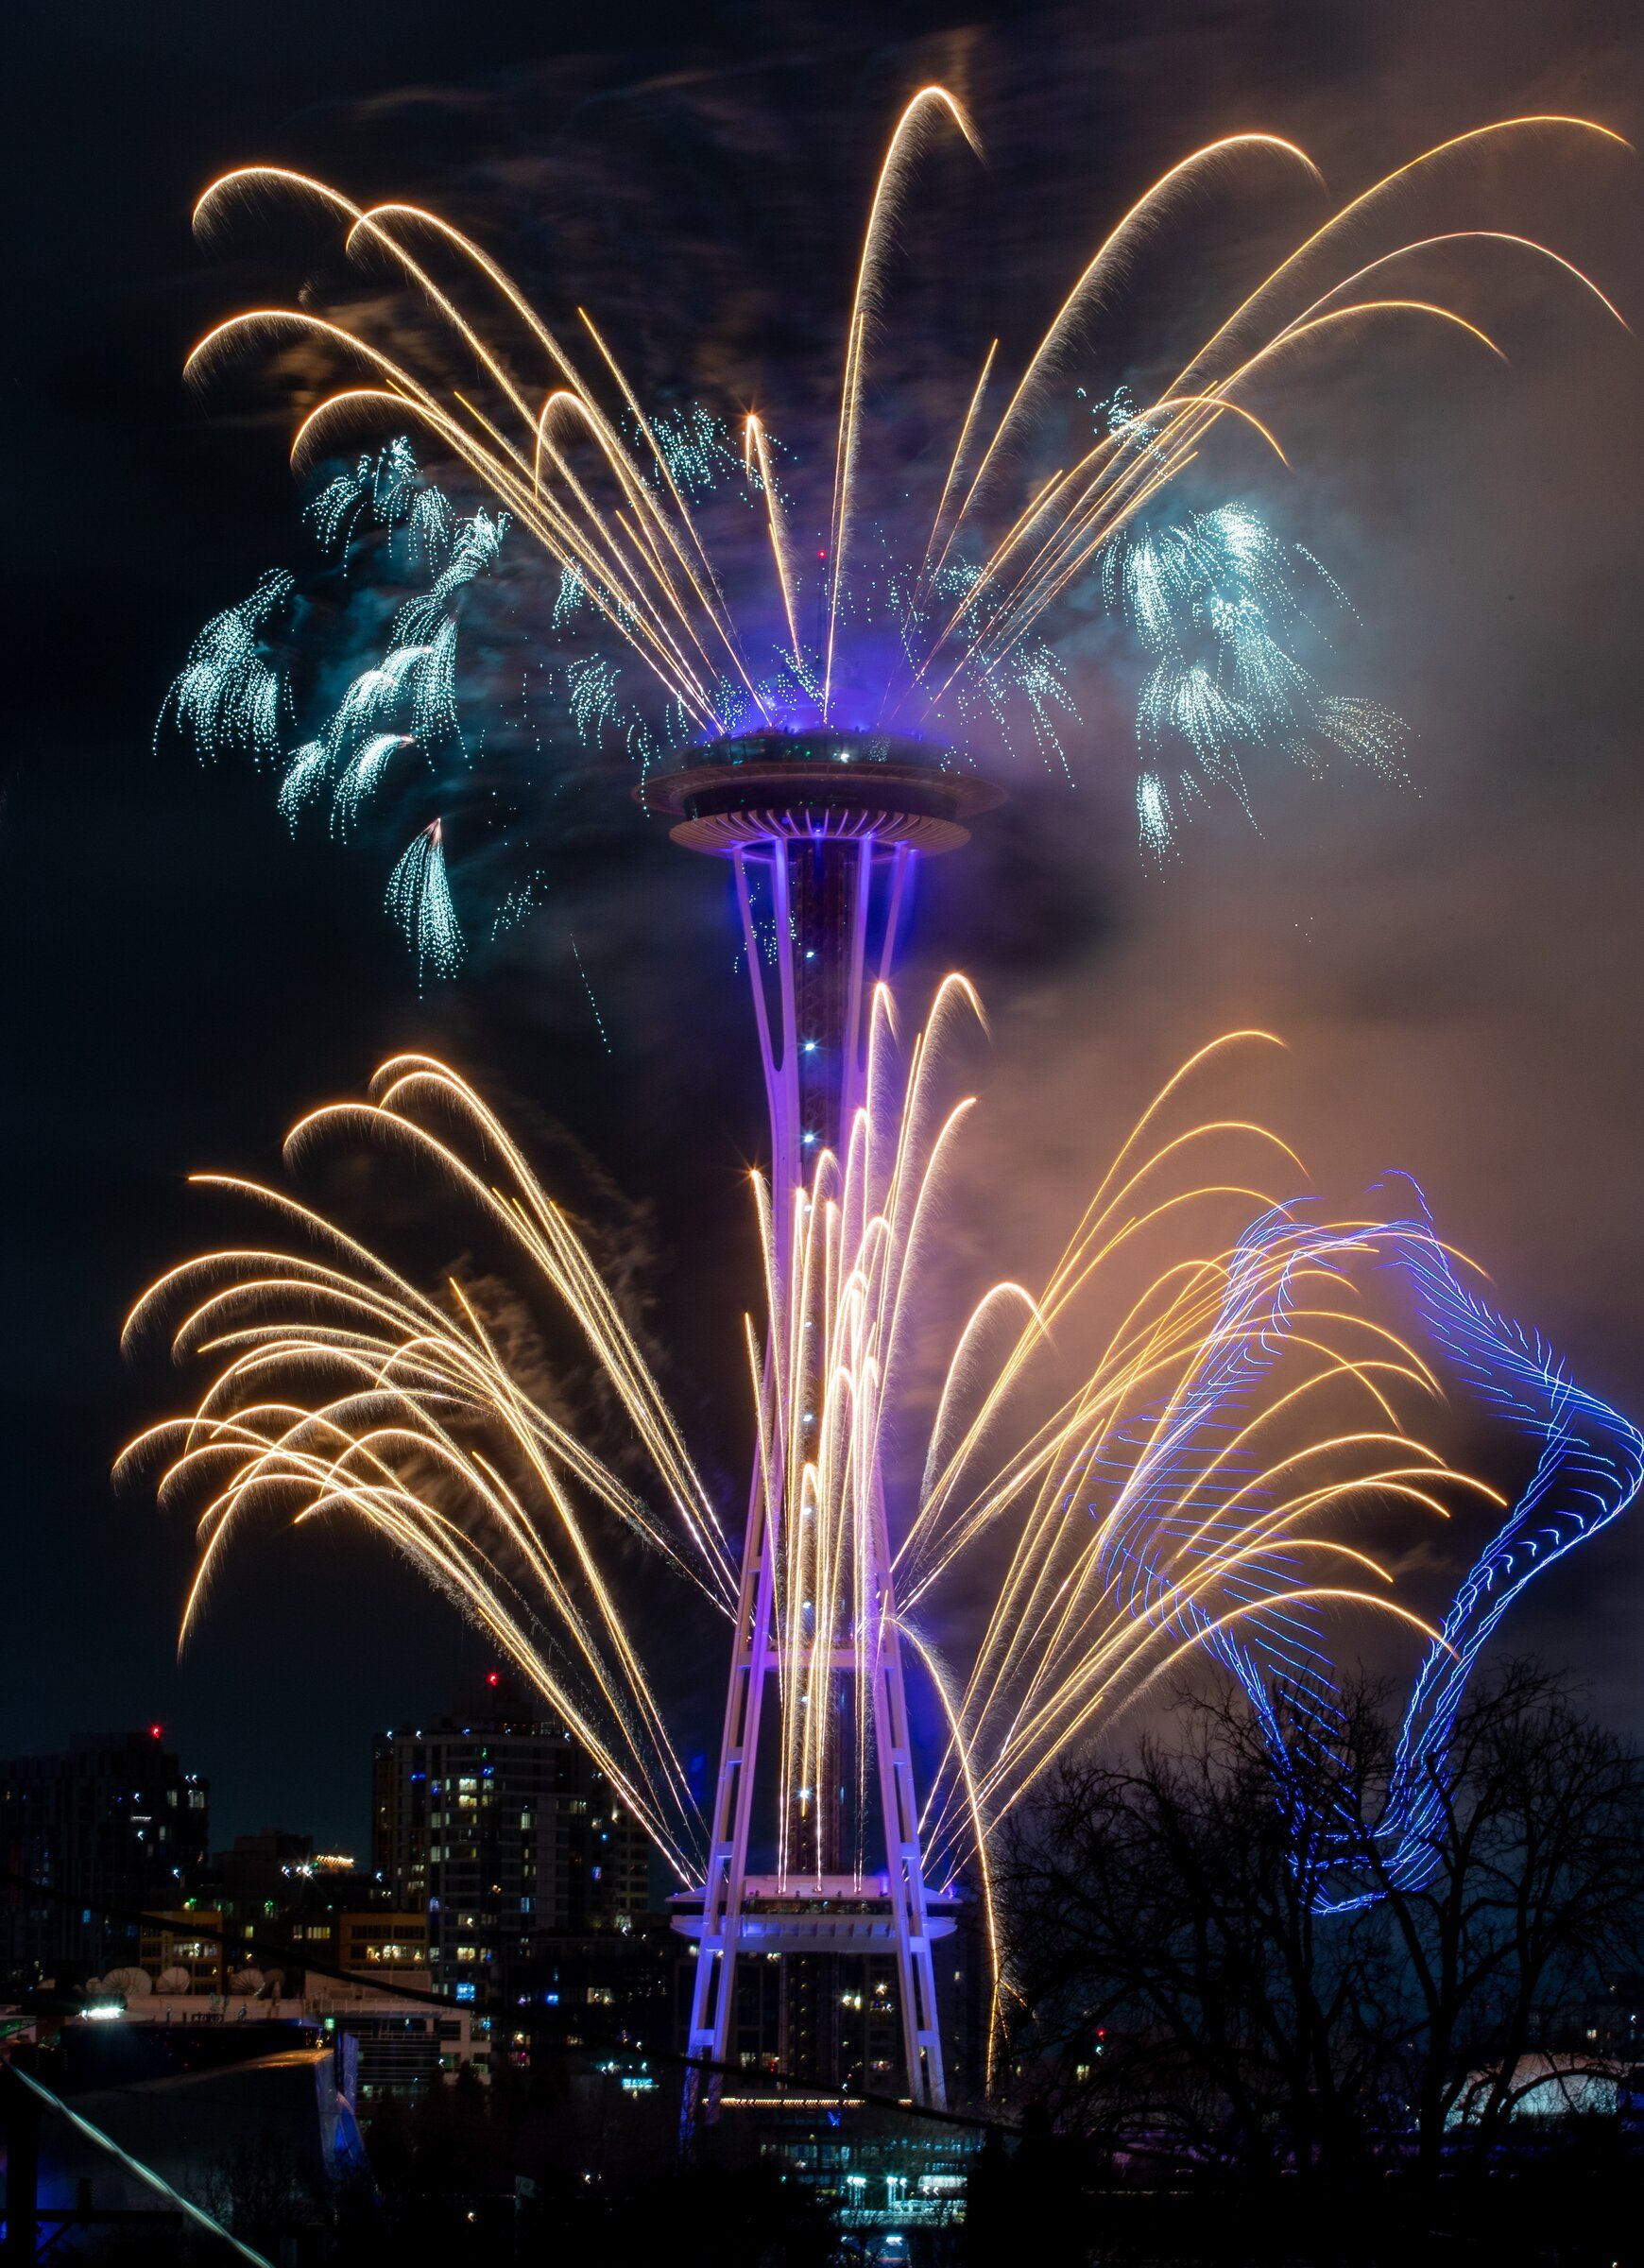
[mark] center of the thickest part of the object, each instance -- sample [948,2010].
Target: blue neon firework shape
[1166,1491]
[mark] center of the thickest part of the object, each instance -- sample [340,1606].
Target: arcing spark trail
[1208,1480]
[696,599]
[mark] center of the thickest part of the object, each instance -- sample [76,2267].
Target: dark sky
[1457,965]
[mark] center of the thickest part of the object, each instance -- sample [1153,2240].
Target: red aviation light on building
[156,1731]
[493,1677]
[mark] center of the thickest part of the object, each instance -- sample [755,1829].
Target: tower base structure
[843,1978]
[823,832]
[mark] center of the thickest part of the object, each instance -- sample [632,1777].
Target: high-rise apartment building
[114,1822]
[497,1825]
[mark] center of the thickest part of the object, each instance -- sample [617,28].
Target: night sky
[1456,965]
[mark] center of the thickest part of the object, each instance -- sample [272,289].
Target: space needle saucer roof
[764,786]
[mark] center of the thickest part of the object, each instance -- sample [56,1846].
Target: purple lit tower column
[823,832]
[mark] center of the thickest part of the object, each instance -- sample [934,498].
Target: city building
[383,2044]
[205,2112]
[386,2045]
[185,1943]
[112,1822]
[382,1944]
[614,1989]
[282,1902]
[263,1868]
[496,1827]
[884,2175]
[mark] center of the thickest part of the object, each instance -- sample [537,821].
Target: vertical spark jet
[823,832]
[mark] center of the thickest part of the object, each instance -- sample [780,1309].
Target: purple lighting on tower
[823,831]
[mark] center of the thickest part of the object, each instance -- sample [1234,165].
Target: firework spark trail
[598,1019]
[837,1282]
[1245,1406]
[227,695]
[1230,1429]
[757,454]
[1154,1506]
[1210,600]
[418,897]
[344,1389]
[1082,517]
[953,631]
[929,104]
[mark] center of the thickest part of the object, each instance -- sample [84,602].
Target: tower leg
[903,1847]
[712,2033]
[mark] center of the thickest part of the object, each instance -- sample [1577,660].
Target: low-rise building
[189,1944]
[379,1944]
[384,2043]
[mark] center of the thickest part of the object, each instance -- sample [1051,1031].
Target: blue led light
[1168,1476]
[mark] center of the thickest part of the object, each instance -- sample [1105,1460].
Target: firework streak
[1177,1444]
[942,625]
